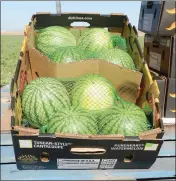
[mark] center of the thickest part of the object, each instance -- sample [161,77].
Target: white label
[147,22]
[25,143]
[78,163]
[155,61]
[108,163]
[151,147]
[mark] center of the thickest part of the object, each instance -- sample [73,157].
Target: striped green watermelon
[72,120]
[93,92]
[95,40]
[50,38]
[124,118]
[67,54]
[119,42]
[41,98]
[117,56]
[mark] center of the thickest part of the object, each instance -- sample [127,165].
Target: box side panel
[62,153]
[133,45]
[173,64]
[157,53]
[171,99]
[122,79]
[162,84]
[65,20]
[168,23]
[149,16]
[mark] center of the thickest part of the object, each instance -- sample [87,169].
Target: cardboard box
[170,109]
[157,17]
[159,53]
[162,84]
[34,150]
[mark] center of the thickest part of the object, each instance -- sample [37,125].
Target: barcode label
[108,163]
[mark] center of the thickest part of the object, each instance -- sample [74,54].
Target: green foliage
[10,50]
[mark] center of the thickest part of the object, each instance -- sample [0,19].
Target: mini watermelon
[95,40]
[50,38]
[125,118]
[117,56]
[67,54]
[119,42]
[42,98]
[93,92]
[72,120]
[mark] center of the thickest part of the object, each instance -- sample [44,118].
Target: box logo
[79,18]
[29,159]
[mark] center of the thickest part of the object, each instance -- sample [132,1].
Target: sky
[16,14]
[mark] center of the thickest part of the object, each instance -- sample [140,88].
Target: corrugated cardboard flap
[35,132]
[151,134]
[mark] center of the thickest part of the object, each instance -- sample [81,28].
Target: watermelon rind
[67,55]
[73,120]
[42,98]
[125,118]
[95,40]
[118,57]
[93,92]
[50,38]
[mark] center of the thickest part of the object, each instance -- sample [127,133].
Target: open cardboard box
[61,151]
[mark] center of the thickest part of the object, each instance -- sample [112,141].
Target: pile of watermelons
[91,104]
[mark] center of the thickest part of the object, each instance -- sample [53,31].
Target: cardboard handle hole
[80,24]
[149,4]
[142,13]
[148,50]
[87,151]
[128,158]
[36,73]
[163,55]
[155,44]
[21,53]
[44,157]
[155,14]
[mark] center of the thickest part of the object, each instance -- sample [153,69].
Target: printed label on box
[52,145]
[108,163]
[25,143]
[151,147]
[155,60]
[147,22]
[78,163]
[128,147]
